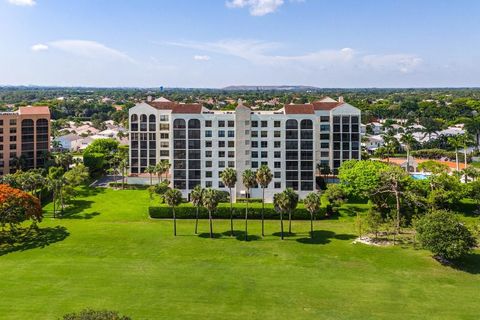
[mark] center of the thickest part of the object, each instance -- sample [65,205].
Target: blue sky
[215,43]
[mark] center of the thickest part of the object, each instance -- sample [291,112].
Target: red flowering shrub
[17,206]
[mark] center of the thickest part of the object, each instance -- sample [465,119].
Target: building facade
[200,143]
[24,138]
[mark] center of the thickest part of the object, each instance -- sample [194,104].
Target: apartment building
[24,138]
[200,143]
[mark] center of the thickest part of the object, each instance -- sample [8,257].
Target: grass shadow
[285,234]
[207,235]
[345,236]
[32,238]
[469,264]
[76,210]
[318,237]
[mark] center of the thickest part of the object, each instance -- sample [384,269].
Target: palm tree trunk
[231,213]
[290,222]
[151,179]
[196,221]
[211,226]
[465,160]
[408,160]
[397,198]
[54,207]
[263,208]
[456,160]
[174,222]
[281,225]
[311,224]
[246,221]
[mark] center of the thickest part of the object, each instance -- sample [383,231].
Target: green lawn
[108,254]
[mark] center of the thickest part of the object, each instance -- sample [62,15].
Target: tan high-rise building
[24,138]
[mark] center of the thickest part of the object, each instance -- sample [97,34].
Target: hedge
[187,211]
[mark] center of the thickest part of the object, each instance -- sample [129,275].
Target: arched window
[194,124]
[134,118]
[143,122]
[151,122]
[291,124]
[179,124]
[143,118]
[306,124]
[28,122]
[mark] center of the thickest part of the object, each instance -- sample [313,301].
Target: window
[13,130]
[277,185]
[221,144]
[208,154]
[264,154]
[277,144]
[277,154]
[264,134]
[324,136]
[208,133]
[208,123]
[221,164]
[254,134]
[276,124]
[208,174]
[231,133]
[13,122]
[324,145]
[254,164]
[254,154]
[164,126]
[277,165]
[231,164]
[208,164]
[221,134]
[221,154]
[231,124]
[163,117]
[13,147]
[277,174]
[164,135]
[254,144]
[13,138]
[254,124]
[231,154]
[231,144]
[221,123]
[264,144]
[264,124]
[208,144]
[277,134]
[208,184]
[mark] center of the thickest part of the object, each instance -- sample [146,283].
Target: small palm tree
[165,166]
[456,143]
[312,202]
[173,198]
[281,203]
[229,179]
[196,199]
[293,196]
[151,170]
[249,181]
[210,201]
[264,177]
[408,140]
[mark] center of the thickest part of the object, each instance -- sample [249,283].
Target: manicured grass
[113,256]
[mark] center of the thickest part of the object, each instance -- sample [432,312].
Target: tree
[472,124]
[444,235]
[17,206]
[281,203]
[433,166]
[374,220]
[456,143]
[173,198]
[264,177]
[210,201]
[360,177]
[162,168]
[151,170]
[229,179]
[98,155]
[293,196]
[89,314]
[312,203]
[196,199]
[408,140]
[55,183]
[249,181]
[336,196]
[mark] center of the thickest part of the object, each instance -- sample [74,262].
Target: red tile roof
[299,109]
[34,110]
[161,105]
[319,105]
[187,108]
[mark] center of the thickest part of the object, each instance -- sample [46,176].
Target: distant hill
[267,88]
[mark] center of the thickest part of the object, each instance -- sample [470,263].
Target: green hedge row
[223,212]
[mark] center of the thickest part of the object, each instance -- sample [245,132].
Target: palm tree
[249,181]
[229,179]
[472,124]
[312,202]
[196,199]
[173,198]
[165,167]
[408,140]
[465,140]
[151,170]
[123,166]
[456,143]
[264,177]
[281,203]
[293,196]
[210,201]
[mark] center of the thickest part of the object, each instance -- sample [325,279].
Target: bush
[251,200]
[95,162]
[436,154]
[187,211]
[95,315]
[128,186]
[444,235]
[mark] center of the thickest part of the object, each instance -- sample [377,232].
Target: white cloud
[256,7]
[90,49]
[24,3]
[404,63]
[39,47]
[201,58]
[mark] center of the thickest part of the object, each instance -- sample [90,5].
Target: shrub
[444,235]
[95,315]
[187,211]
[251,200]
[128,186]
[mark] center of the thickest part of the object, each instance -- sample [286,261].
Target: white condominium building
[200,143]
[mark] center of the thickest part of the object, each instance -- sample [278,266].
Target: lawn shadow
[240,235]
[31,239]
[76,209]
[207,235]
[285,234]
[89,191]
[470,264]
[318,237]
[345,236]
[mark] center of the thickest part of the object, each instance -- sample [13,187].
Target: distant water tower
[161,89]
